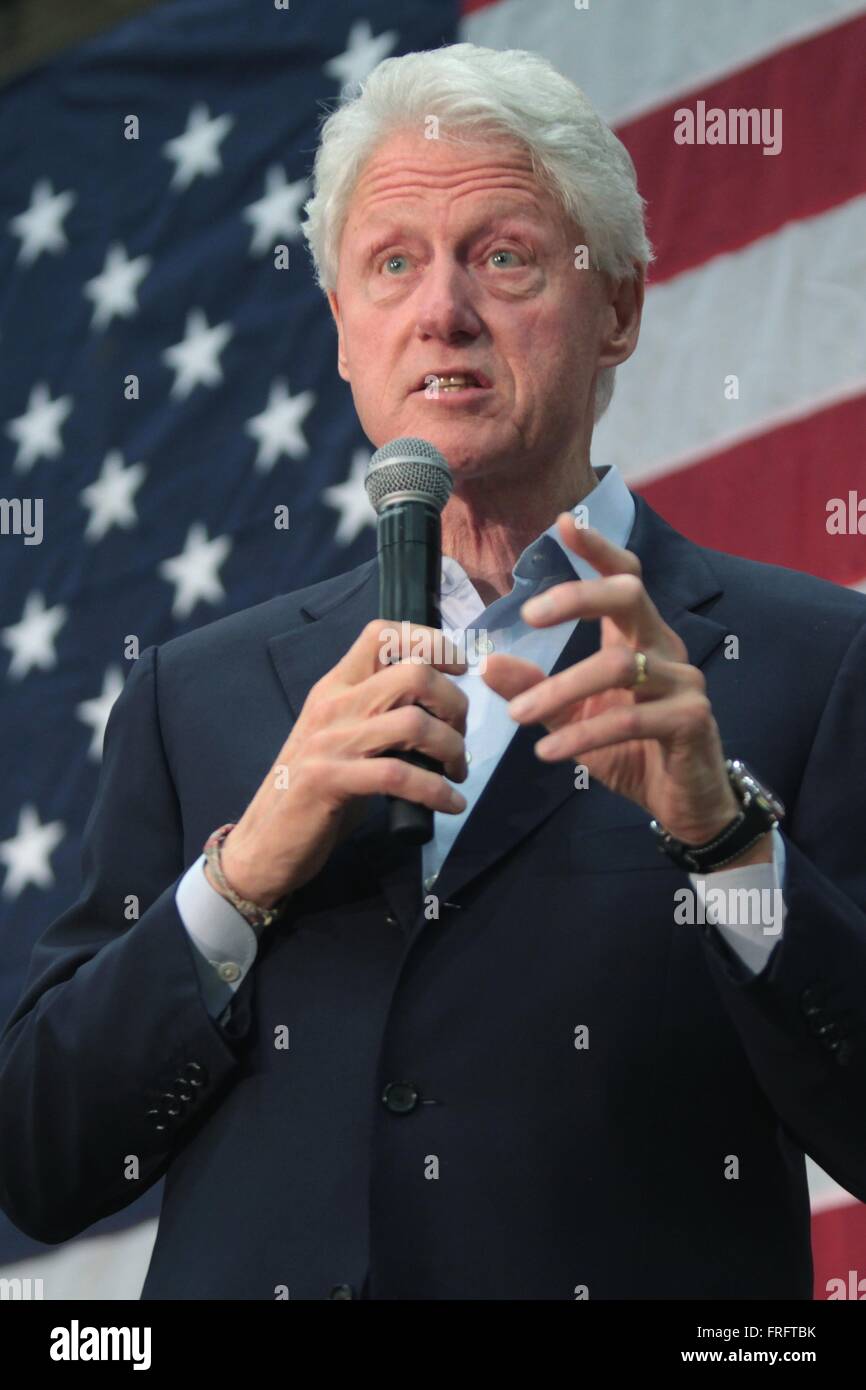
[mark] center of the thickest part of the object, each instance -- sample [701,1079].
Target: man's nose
[444,304]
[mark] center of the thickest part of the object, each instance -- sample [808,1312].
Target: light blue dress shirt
[226,944]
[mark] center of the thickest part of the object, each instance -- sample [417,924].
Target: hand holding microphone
[367,727]
[408,483]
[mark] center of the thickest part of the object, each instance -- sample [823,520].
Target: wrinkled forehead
[408,174]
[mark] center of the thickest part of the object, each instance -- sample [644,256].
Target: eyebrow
[393,227]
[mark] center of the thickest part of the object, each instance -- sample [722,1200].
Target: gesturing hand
[643,725]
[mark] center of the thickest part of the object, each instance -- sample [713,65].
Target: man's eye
[505,251]
[389,263]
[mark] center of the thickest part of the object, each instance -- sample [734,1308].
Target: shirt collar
[609,509]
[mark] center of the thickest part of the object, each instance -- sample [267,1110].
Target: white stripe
[101,1267]
[824,1191]
[632,55]
[783,315]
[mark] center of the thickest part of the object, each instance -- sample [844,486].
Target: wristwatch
[760,810]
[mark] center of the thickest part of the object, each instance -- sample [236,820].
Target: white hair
[476,93]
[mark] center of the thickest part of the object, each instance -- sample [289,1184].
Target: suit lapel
[522,792]
[327,626]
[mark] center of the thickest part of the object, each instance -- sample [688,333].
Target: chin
[464,443]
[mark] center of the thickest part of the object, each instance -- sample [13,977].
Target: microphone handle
[409,542]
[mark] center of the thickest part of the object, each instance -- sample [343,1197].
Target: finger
[509,675]
[621,598]
[413,683]
[401,683]
[339,781]
[612,668]
[382,641]
[686,715]
[409,727]
[605,557]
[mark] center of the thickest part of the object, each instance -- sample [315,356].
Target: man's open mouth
[441,383]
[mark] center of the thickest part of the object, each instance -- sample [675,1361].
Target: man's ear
[622,317]
[342,365]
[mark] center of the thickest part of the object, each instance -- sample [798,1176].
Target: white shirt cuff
[747,905]
[218,931]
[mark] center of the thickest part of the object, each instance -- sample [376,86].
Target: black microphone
[408,483]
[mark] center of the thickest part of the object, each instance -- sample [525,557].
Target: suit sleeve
[111,1060]
[802,1019]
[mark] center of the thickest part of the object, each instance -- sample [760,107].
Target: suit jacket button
[193,1074]
[842,1050]
[811,1000]
[822,1030]
[342,1291]
[400,1097]
[390,921]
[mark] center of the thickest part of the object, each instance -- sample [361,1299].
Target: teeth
[446,381]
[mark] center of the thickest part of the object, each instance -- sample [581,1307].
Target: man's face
[454,258]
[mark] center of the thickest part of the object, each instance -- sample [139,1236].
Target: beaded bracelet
[256,916]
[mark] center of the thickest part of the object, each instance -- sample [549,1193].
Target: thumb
[510,675]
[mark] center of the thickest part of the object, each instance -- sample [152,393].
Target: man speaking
[577,1043]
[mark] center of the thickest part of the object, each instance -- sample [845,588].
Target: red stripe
[468,6]
[839,1246]
[708,199]
[767,498]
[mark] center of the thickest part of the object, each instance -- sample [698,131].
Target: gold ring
[640,668]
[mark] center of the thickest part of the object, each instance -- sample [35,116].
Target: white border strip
[783,315]
[631,56]
[97,1267]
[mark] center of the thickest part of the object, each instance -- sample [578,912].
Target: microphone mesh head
[411,467]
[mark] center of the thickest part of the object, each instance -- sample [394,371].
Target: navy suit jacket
[514,1164]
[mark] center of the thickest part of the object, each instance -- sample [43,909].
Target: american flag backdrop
[169,388]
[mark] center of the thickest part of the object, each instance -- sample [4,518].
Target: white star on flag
[37,431]
[95,712]
[41,226]
[195,358]
[194,570]
[278,427]
[31,639]
[27,854]
[275,215]
[197,150]
[109,498]
[351,500]
[363,53]
[114,290]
